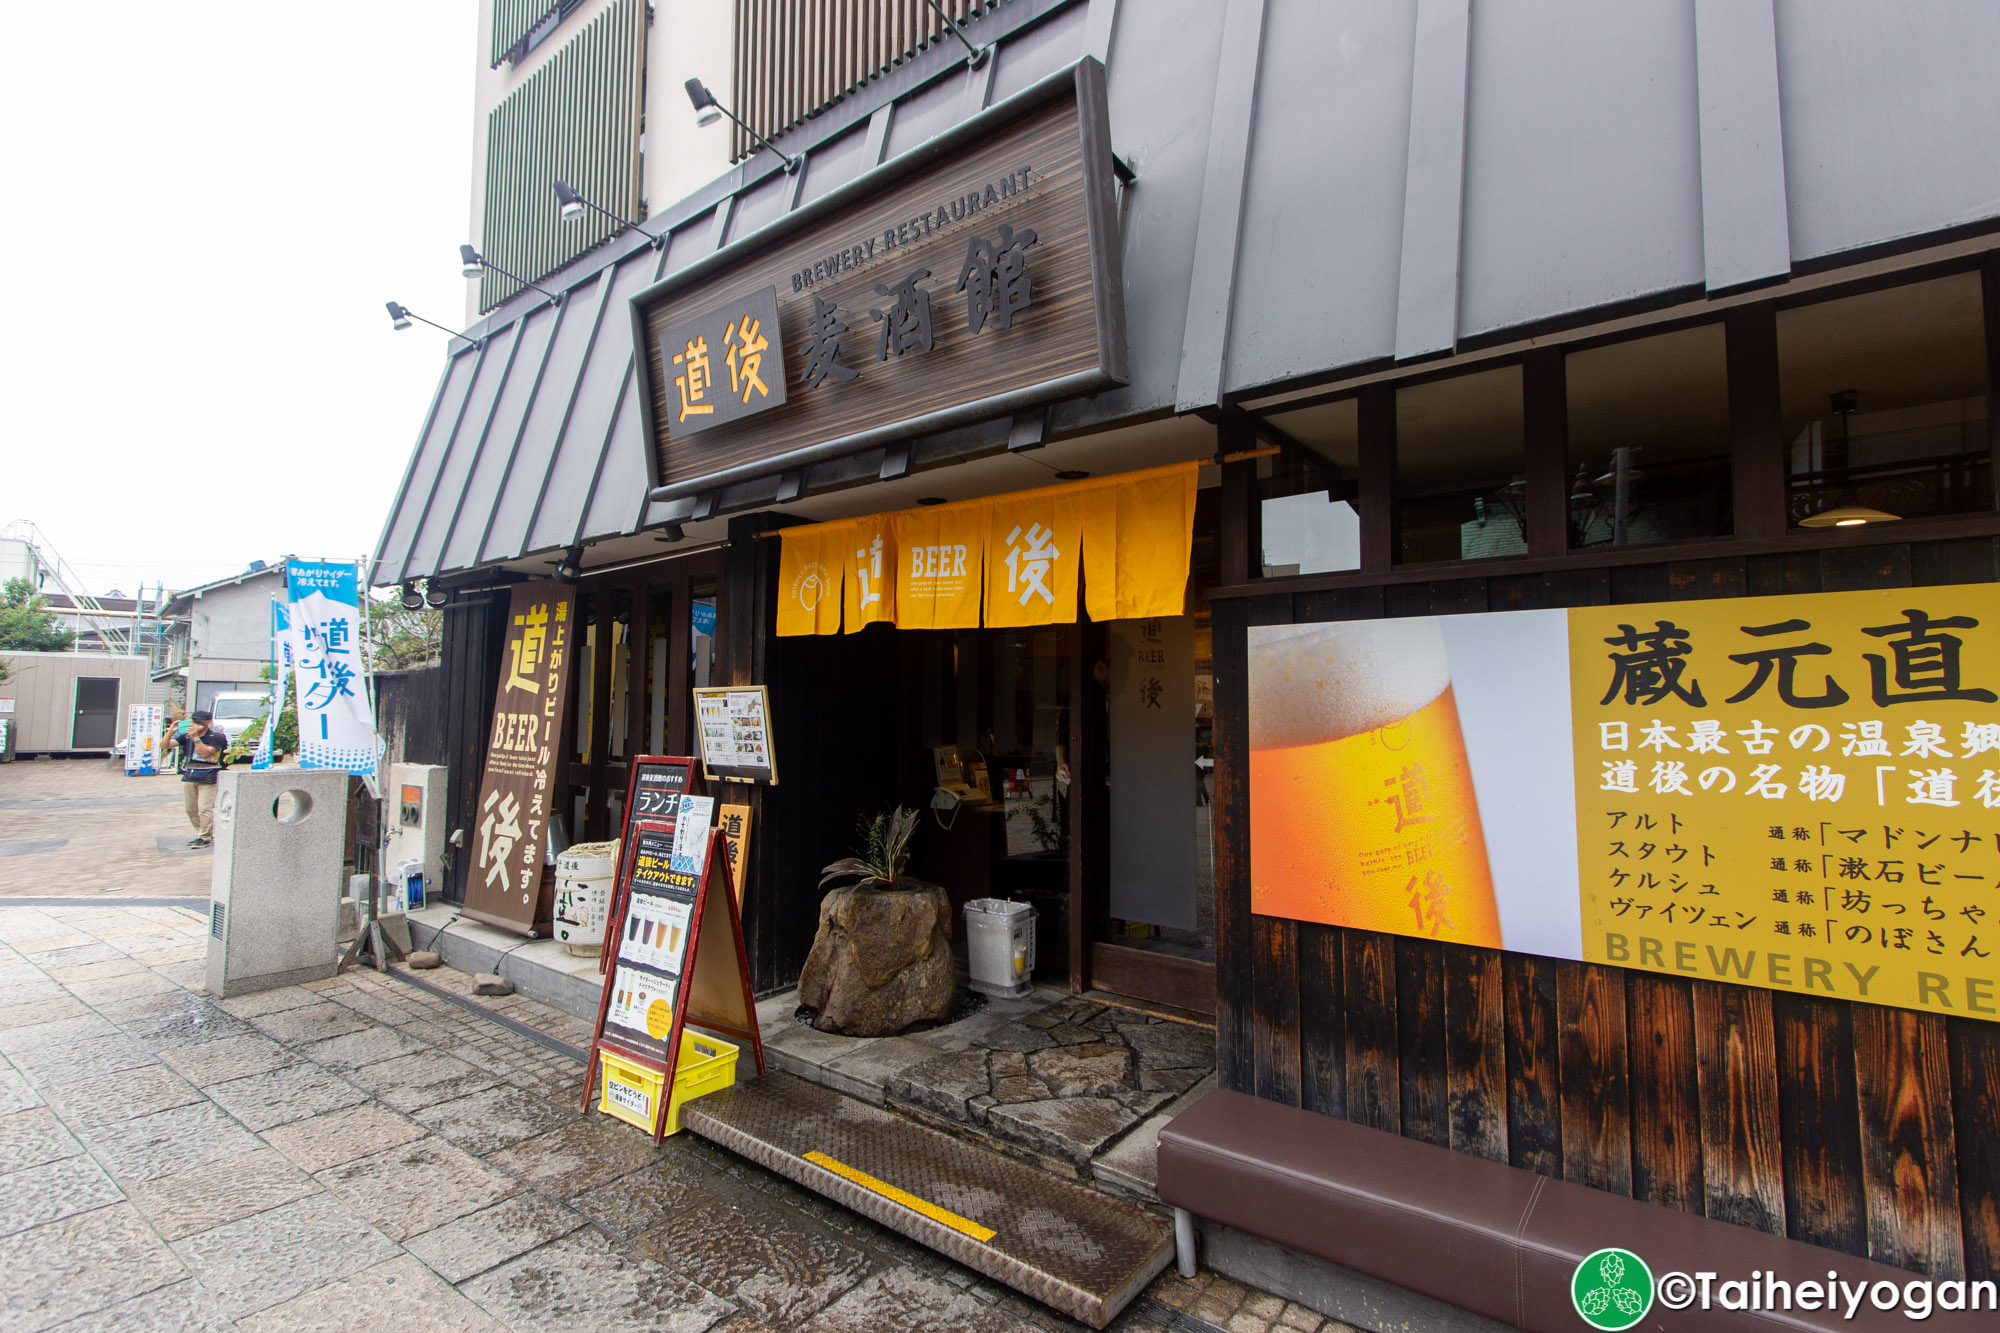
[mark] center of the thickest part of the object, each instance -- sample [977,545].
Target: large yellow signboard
[1799,793]
[1795,792]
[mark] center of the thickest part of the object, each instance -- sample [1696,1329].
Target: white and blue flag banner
[336,724]
[281,647]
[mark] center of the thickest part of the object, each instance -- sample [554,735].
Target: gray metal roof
[536,439]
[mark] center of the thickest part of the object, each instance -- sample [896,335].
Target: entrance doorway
[646,638]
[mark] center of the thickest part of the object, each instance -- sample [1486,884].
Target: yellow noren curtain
[1018,559]
[809,578]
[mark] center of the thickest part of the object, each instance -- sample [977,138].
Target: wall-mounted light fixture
[412,600]
[572,203]
[401,315]
[570,568]
[475,263]
[671,532]
[434,596]
[707,111]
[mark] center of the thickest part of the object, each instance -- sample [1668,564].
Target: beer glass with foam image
[1362,808]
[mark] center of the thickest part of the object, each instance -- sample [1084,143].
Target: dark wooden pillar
[1375,420]
[1545,394]
[1757,429]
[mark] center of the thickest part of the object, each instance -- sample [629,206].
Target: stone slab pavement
[99,831]
[358,1153]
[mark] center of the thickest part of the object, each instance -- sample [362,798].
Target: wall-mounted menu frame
[733,723]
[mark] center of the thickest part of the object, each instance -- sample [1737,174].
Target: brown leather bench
[1485,1237]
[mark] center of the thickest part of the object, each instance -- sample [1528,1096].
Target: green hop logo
[1612,1289]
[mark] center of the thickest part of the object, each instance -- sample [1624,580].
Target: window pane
[1649,439]
[1308,493]
[1884,401]
[1460,463]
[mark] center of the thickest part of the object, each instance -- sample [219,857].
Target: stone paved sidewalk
[77,827]
[358,1153]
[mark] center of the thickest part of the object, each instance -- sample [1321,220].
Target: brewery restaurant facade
[1076,425]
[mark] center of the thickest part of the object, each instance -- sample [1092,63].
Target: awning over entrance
[1005,560]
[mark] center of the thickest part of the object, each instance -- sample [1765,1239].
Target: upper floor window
[1461,465]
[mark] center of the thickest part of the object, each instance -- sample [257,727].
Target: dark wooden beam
[1757,430]
[1375,412]
[1545,397]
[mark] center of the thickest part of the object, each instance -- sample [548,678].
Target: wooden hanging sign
[654,785]
[677,958]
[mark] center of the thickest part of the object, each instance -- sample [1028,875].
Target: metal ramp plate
[1070,1248]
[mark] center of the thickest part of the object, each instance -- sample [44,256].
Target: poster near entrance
[510,826]
[1798,793]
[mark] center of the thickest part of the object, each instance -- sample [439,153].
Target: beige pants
[200,798]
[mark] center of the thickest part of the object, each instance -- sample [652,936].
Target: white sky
[207,205]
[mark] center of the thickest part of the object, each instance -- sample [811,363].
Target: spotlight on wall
[707,111]
[412,599]
[671,532]
[473,264]
[570,568]
[401,315]
[572,202]
[435,597]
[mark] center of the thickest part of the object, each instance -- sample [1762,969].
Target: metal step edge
[1093,1308]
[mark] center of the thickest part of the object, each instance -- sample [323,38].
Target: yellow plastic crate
[630,1091]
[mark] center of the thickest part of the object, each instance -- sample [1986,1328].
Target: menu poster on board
[642,1006]
[655,933]
[652,940]
[653,790]
[734,725]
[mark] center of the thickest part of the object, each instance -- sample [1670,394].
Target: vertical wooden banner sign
[510,828]
[654,786]
[678,957]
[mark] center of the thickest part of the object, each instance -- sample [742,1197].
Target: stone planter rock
[881,962]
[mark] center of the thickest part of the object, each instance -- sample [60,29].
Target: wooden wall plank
[1975,1077]
[1534,1065]
[1234,1064]
[1368,971]
[1274,999]
[1792,572]
[1845,568]
[1969,560]
[1420,1043]
[1909,1165]
[1475,1050]
[1596,1106]
[1742,1164]
[1665,1091]
[1819,1122]
[1322,1021]
[1640,583]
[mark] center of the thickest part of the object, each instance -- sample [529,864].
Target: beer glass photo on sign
[1399,781]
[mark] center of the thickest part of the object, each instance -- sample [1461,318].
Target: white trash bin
[1000,946]
[584,875]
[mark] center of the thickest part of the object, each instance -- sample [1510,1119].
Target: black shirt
[194,768]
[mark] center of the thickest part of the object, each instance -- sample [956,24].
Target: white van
[235,712]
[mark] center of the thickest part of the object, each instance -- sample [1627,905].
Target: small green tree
[27,624]
[401,638]
[286,741]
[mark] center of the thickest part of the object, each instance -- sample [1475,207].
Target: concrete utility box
[275,901]
[415,819]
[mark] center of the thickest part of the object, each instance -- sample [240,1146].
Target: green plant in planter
[885,850]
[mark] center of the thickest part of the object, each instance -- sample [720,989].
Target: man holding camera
[201,750]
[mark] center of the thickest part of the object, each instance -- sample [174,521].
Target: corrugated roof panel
[497,450]
[515,508]
[597,391]
[420,483]
[622,482]
[457,463]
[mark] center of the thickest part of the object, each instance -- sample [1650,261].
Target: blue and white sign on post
[283,658]
[336,724]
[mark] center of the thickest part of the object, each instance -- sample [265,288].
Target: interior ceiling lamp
[570,568]
[975,55]
[1847,510]
[707,111]
[573,203]
[401,315]
[474,263]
